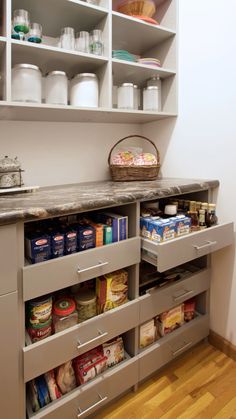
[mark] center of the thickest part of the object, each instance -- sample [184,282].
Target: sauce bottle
[211,218]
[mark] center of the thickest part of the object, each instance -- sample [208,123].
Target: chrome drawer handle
[208,243]
[185,293]
[79,271]
[182,348]
[100,335]
[100,401]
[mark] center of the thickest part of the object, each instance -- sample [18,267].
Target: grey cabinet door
[9,368]
[8,259]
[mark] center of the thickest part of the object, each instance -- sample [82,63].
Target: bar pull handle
[100,401]
[184,294]
[100,335]
[99,265]
[208,243]
[178,351]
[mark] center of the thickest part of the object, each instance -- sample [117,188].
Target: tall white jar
[125,99]
[84,90]
[26,83]
[56,88]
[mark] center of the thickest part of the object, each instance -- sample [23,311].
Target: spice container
[64,314]
[151,98]
[86,305]
[26,83]
[56,88]
[84,90]
[125,99]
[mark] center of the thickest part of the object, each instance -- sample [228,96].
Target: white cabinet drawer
[172,345]
[53,351]
[43,278]
[90,397]
[163,299]
[183,249]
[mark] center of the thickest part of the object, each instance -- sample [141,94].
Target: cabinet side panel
[8,259]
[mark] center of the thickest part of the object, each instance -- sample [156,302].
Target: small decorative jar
[64,314]
[10,173]
[84,90]
[26,83]
[56,88]
[125,99]
[86,304]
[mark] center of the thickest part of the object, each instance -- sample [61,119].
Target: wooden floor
[201,384]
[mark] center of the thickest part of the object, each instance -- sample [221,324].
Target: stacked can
[39,318]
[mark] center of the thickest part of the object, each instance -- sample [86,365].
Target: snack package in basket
[112,290]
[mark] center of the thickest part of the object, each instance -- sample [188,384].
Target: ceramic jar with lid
[56,88]
[125,98]
[26,83]
[151,98]
[84,90]
[10,172]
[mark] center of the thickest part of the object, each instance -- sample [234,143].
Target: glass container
[125,96]
[156,81]
[150,98]
[56,88]
[82,41]
[26,83]
[96,43]
[86,304]
[64,314]
[67,39]
[136,97]
[84,90]
[21,22]
[35,33]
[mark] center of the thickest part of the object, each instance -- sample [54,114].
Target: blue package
[86,238]
[38,247]
[70,241]
[57,244]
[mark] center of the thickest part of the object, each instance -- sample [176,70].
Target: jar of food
[86,304]
[125,99]
[64,314]
[56,88]
[26,83]
[151,98]
[84,90]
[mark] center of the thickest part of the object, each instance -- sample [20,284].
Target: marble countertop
[59,200]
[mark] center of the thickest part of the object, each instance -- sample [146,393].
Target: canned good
[40,331]
[39,311]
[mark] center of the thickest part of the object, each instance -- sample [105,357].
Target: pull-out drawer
[88,398]
[172,345]
[183,249]
[46,277]
[61,347]
[170,296]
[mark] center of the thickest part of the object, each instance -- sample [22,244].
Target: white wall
[202,142]
[58,153]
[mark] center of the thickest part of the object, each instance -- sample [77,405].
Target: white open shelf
[119,32]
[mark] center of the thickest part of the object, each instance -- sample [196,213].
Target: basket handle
[133,136]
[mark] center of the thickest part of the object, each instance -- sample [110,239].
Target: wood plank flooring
[200,384]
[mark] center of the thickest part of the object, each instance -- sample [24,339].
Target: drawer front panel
[78,404]
[172,345]
[177,251]
[164,299]
[61,347]
[8,259]
[46,277]
[122,378]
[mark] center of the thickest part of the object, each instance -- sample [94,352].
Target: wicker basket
[120,173]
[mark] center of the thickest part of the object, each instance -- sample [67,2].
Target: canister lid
[64,307]
[81,75]
[170,209]
[85,297]
[127,84]
[56,73]
[152,88]
[31,66]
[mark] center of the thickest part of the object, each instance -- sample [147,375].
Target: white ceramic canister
[56,88]
[156,81]
[150,98]
[125,96]
[136,97]
[26,83]
[84,90]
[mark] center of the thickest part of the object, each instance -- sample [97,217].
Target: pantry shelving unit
[20,282]
[119,32]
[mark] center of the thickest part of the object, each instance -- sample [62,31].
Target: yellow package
[112,290]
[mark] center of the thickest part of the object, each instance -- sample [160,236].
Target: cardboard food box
[112,290]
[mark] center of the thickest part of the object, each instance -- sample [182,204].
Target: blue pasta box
[38,247]
[86,238]
[70,241]
[57,244]
[183,225]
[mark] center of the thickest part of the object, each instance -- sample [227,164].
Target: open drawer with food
[84,384]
